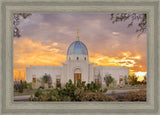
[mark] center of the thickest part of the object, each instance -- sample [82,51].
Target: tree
[133,79]
[21,87]
[133,17]
[47,79]
[24,84]
[16,22]
[144,80]
[108,79]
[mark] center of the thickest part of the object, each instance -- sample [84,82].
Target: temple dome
[77,48]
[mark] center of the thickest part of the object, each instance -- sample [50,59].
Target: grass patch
[30,91]
[25,92]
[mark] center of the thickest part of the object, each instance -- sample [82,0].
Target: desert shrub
[58,85]
[110,98]
[50,96]
[53,98]
[104,90]
[24,84]
[96,96]
[54,92]
[69,89]
[83,84]
[32,98]
[120,97]
[78,83]
[99,96]
[132,96]
[43,97]
[50,86]
[46,95]
[87,86]
[29,85]
[89,97]
[79,93]
[92,87]
[19,86]
[41,87]
[16,86]
[72,92]
[66,98]
[38,93]
[136,96]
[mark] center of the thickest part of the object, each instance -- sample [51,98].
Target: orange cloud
[124,59]
[28,52]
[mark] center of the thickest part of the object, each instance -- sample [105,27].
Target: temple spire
[77,34]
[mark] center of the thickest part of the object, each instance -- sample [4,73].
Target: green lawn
[25,92]
[29,92]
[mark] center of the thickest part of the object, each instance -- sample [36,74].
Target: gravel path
[22,98]
[121,91]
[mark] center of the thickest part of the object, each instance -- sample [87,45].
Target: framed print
[79,57]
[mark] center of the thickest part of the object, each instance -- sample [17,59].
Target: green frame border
[71,3]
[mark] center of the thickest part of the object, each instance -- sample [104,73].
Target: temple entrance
[76,77]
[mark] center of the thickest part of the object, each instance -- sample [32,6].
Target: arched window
[77,58]
[34,80]
[58,82]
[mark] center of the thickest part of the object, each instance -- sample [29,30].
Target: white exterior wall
[91,73]
[116,72]
[66,72]
[39,72]
[72,65]
[74,57]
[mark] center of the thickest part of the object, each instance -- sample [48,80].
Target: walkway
[121,91]
[22,98]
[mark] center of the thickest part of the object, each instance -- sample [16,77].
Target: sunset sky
[46,38]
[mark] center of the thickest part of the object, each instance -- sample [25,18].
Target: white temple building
[77,66]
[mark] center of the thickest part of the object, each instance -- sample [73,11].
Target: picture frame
[8,7]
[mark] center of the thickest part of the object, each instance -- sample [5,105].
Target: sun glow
[140,75]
